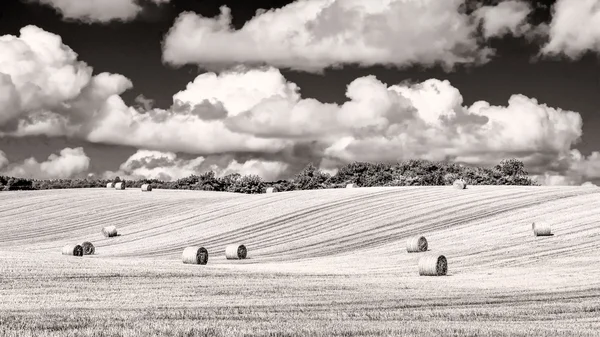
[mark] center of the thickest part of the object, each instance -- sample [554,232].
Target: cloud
[257,114]
[69,163]
[167,166]
[3,159]
[574,29]
[507,17]
[102,11]
[313,35]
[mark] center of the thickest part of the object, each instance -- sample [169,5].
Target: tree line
[361,174]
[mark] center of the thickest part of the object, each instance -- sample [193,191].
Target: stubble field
[321,263]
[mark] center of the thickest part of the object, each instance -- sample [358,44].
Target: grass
[322,263]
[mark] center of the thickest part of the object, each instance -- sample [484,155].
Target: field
[320,263]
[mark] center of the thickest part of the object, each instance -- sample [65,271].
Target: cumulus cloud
[507,17]
[312,35]
[167,166]
[256,116]
[67,164]
[102,11]
[574,29]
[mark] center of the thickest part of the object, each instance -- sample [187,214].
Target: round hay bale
[435,265]
[195,255]
[109,231]
[271,190]
[235,252]
[73,250]
[416,244]
[146,188]
[88,248]
[460,184]
[109,185]
[350,186]
[542,229]
[120,186]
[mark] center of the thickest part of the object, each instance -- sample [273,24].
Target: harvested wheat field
[320,263]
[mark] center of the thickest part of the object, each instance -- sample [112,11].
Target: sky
[168,88]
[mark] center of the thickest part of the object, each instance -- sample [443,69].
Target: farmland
[320,262]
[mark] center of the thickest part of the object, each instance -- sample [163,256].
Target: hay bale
[350,186]
[146,188]
[235,252]
[434,265]
[195,255]
[109,231]
[541,229]
[416,244]
[73,250]
[88,248]
[120,186]
[109,185]
[271,190]
[460,184]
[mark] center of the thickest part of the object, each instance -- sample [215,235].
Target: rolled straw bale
[74,250]
[542,229]
[195,255]
[271,190]
[109,231]
[120,186]
[460,184]
[416,244]
[146,188]
[235,252]
[433,265]
[109,185]
[350,186]
[88,248]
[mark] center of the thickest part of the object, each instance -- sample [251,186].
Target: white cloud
[69,163]
[259,115]
[102,11]
[167,166]
[507,17]
[3,159]
[574,29]
[312,35]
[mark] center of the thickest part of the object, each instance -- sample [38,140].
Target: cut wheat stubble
[416,244]
[195,255]
[433,265]
[236,252]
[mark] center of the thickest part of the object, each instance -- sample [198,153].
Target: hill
[321,262]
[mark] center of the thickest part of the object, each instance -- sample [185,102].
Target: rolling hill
[324,261]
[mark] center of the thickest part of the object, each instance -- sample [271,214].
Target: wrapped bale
[109,231]
[120,186]
[73,250]
[541,229]
[416,244]
[435,265]
[271,190]
[195,255]
[236,252]
[460,184]
[146,188]
[88,248]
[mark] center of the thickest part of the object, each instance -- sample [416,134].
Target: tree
[511,167]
